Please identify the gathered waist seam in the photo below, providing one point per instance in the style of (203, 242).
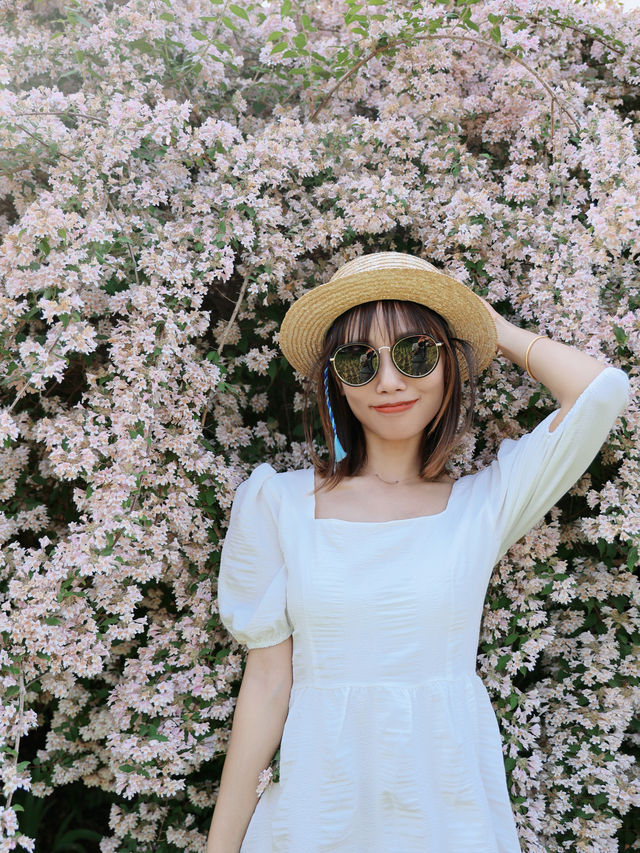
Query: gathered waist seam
(403, 684)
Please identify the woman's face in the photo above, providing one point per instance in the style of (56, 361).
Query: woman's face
(391, 386)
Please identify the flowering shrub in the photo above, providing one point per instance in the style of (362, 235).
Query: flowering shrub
(173, 175)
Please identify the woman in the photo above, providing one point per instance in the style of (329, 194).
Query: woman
(360, 581)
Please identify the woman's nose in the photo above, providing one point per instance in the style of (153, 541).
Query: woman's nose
(389, 377)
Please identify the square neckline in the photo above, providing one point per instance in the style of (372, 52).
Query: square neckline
(312, 503)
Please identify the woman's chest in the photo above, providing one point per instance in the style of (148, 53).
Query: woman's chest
(366, 501)
(349, 579)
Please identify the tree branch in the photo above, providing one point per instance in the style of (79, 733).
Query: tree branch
(497, 47)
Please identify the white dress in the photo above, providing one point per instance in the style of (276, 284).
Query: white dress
(391, 744)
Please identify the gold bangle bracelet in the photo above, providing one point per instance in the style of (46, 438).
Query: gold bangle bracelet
(526, 358)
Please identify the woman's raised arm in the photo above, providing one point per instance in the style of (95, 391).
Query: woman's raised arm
(564, 370)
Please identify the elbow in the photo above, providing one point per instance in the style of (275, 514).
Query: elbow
(617, 388)
(272, 666)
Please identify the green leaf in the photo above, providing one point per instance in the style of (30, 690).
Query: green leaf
(226, 20)
(239, 11)
(300, 40)
(198, 35)
(620, 334)
(143, 46)
(321, 72)
(285, 8)
(221, 45)
(276, 34)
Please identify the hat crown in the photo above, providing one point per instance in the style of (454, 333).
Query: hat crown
(381, 261)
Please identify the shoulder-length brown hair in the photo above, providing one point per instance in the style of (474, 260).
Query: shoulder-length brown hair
(439, 437)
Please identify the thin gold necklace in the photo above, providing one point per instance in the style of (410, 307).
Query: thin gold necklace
(396, 482)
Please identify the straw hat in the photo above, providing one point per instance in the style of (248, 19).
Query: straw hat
(386, 275)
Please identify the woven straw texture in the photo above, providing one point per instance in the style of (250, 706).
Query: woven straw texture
(386, 275)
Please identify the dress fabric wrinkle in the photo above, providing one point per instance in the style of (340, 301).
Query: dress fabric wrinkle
(391, 744)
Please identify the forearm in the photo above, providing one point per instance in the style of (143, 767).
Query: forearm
(564, 370)
(258, 722)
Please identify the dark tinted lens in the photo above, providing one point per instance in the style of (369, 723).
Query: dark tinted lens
(415, 355)
(355, 363)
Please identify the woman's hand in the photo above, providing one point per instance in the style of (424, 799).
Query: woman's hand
(499, 321)
(497, 317)
(565, 370)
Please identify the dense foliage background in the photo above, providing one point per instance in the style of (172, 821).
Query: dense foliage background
(172, 174)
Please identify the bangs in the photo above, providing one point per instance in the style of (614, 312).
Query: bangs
(396, 317)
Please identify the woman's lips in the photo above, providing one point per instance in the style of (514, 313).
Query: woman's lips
(398, 407)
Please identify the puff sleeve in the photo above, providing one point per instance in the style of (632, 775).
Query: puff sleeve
(252, 581)
(531, 473)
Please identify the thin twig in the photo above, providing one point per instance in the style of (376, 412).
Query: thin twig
(224, 336)
(119, 221)
(561, 180)
(62, 113)
(220, 15)
(589, 35)
(497, 47)
(18, 726)
(23, 390)
(40, 139)
(233, 315)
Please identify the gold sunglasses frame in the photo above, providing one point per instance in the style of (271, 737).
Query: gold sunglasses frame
(438, 344)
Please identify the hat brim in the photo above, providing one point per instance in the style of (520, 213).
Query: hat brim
(307, 321)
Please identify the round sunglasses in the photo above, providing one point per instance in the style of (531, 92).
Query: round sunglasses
(413, 355)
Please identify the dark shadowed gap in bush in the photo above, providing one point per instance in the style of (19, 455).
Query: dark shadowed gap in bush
(72, 819)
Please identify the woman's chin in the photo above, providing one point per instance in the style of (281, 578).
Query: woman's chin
(397, 434)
